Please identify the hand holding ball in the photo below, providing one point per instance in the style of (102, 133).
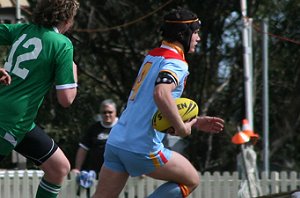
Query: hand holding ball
(187, 108)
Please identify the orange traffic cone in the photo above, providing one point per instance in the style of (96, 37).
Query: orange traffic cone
(247, 130)
(240, 138)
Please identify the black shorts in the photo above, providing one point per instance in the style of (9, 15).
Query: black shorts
(36, 146)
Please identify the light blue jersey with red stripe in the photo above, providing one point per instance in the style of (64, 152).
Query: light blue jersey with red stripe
(134, 131)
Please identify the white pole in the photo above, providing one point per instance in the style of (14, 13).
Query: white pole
(247, 65)
(18, 11)
(244, 8)
(251, 83)
(265, 96)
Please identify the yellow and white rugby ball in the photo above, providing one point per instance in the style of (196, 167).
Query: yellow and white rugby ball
(187, 108)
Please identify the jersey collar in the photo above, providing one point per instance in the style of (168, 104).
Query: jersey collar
(173, 47)
(55, 29)
(110, 125)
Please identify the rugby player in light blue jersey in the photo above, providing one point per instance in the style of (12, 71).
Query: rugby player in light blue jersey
(40, 56)
(133, 147)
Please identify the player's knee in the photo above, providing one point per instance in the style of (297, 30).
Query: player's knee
(65, 169)
(194, 182)
(197, 182)
(61, 170)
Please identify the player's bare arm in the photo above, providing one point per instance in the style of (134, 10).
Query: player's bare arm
(66, 97)
(75, 72)
(166, 104)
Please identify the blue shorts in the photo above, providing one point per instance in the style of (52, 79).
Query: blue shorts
(135, 164)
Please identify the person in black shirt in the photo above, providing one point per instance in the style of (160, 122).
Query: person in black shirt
(91, 146)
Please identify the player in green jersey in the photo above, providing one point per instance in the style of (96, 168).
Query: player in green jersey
(40, 57)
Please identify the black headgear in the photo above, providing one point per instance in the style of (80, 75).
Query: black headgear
(179, 25)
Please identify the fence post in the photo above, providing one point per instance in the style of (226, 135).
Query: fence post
(294, 181)
(141, 188)
(207, 185)
(275, 182)
(6, 185)
(26, 189)
(35, 182)
(226, 183)
(284, 181)
(264, 183)
(16, 185)
(216, 185)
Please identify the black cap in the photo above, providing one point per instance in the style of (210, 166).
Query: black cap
(179, 25)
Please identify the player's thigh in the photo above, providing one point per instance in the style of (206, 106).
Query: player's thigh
(37, 146)
(178, 169)
(44, 152)
(110, 183)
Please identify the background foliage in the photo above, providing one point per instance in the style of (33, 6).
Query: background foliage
(111, 38)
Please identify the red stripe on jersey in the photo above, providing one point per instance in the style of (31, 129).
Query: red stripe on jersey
(166, 53)
(162, 156)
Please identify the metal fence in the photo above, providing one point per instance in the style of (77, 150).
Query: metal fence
(23, 184)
